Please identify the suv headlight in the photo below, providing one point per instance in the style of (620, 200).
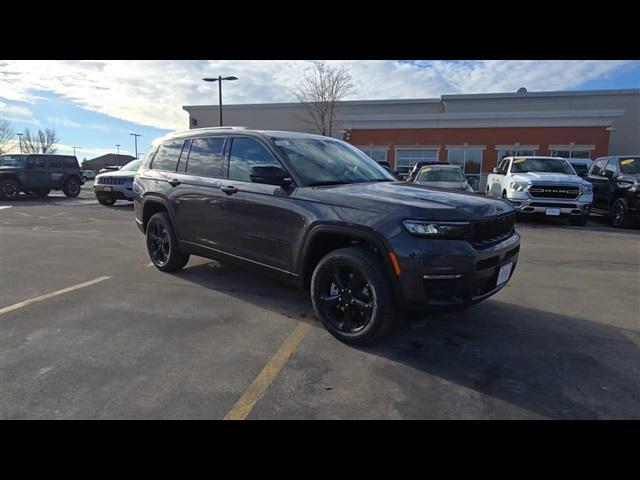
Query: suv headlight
(436, 229)
(518, 186)
(587, 188)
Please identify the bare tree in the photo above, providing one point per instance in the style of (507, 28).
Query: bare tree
(41, 142)
(6, 134)
(320, 91)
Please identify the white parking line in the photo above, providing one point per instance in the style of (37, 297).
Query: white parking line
(24, 303)
(5, 206)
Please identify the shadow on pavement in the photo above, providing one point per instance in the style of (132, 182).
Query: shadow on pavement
(554, 365)
(597, 223)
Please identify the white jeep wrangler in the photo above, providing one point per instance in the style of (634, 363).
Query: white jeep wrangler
(546, 185)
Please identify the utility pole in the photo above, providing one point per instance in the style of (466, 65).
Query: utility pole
(74, 150)
(20, 140)
(118, 147)
(135, 136)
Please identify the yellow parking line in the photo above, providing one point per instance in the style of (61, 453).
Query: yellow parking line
(256, 390)
(24, 303)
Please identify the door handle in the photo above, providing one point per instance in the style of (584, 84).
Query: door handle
(229, 189)
(174, 182)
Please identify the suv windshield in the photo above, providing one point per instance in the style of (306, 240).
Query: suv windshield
(131, 166)
(439, 174)
(630, 165)
(543, 165)
(327, 162)
(11, 160)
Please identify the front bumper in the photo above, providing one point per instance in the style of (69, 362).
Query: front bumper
(580, 206)
(451, 272)
(118, 192)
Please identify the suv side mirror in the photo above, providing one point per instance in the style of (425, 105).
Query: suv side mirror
(270, 175)
(607, 173)
(499, 171)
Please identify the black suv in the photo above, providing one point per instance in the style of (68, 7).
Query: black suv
(39, 174)
(616, 188)
(320, 213)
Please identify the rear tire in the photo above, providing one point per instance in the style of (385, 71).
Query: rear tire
(578, 221)
(162, 244)
(107, 202)
(352, 297)
(9, 189)
(72, 187)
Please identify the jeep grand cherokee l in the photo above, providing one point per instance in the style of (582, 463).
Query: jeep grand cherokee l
(320, 213)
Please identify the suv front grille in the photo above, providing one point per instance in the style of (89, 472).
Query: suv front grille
(492, 230)
(554, 191)
(112, 180)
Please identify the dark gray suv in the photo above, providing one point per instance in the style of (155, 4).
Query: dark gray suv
(39, 174)
(320, 213)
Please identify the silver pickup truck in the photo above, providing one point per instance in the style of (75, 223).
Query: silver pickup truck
(542, 185)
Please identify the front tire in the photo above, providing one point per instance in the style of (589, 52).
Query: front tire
(619, 216)
(578, 220)
(351, 295)
(9, 189)
(162, 244)
(72, 187)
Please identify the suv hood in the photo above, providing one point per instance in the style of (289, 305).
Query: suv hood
(547, 177)
(118, 173)
(406, 199)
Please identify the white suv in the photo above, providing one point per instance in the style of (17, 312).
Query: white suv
(547, 185)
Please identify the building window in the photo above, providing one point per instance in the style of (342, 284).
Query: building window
(379, 154)
(407, 158)
(470, 160)
(515, 152)
(571, 153)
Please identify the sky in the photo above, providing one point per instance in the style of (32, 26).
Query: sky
(95, 105)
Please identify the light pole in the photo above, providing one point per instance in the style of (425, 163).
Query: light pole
(219, 80)
(74, 150)
(118, 147)
(135, 136)
(20, 140)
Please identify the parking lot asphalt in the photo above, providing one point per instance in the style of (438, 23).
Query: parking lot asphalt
(561, 341)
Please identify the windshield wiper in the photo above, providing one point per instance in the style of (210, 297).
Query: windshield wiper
(333, 182)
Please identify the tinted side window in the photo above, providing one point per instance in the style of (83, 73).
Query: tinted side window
(205, 157)
(70, 163)
(504, 165)
(168, 156)
(55, 162)
(597, 166)
(37, 162)
(246, 154)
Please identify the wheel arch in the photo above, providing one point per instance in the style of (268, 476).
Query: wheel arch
(324, 238)
(152, 204)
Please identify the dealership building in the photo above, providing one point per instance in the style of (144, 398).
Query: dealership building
(474, 131)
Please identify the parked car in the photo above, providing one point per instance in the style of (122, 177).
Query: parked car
(580, 165)
(616, 188)
(109, 168)
(88, 175)
(321, 214)
(546, 185)
(39, 174)
(416, 168)
(443, 176)
(116, 185)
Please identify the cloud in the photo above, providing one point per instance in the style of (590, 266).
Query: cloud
(153, 92)
(16, 113)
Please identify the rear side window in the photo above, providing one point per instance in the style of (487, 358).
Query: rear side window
(168, 156)
(70, 163)
(205, 157)
(55, 162)
(246, 154)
